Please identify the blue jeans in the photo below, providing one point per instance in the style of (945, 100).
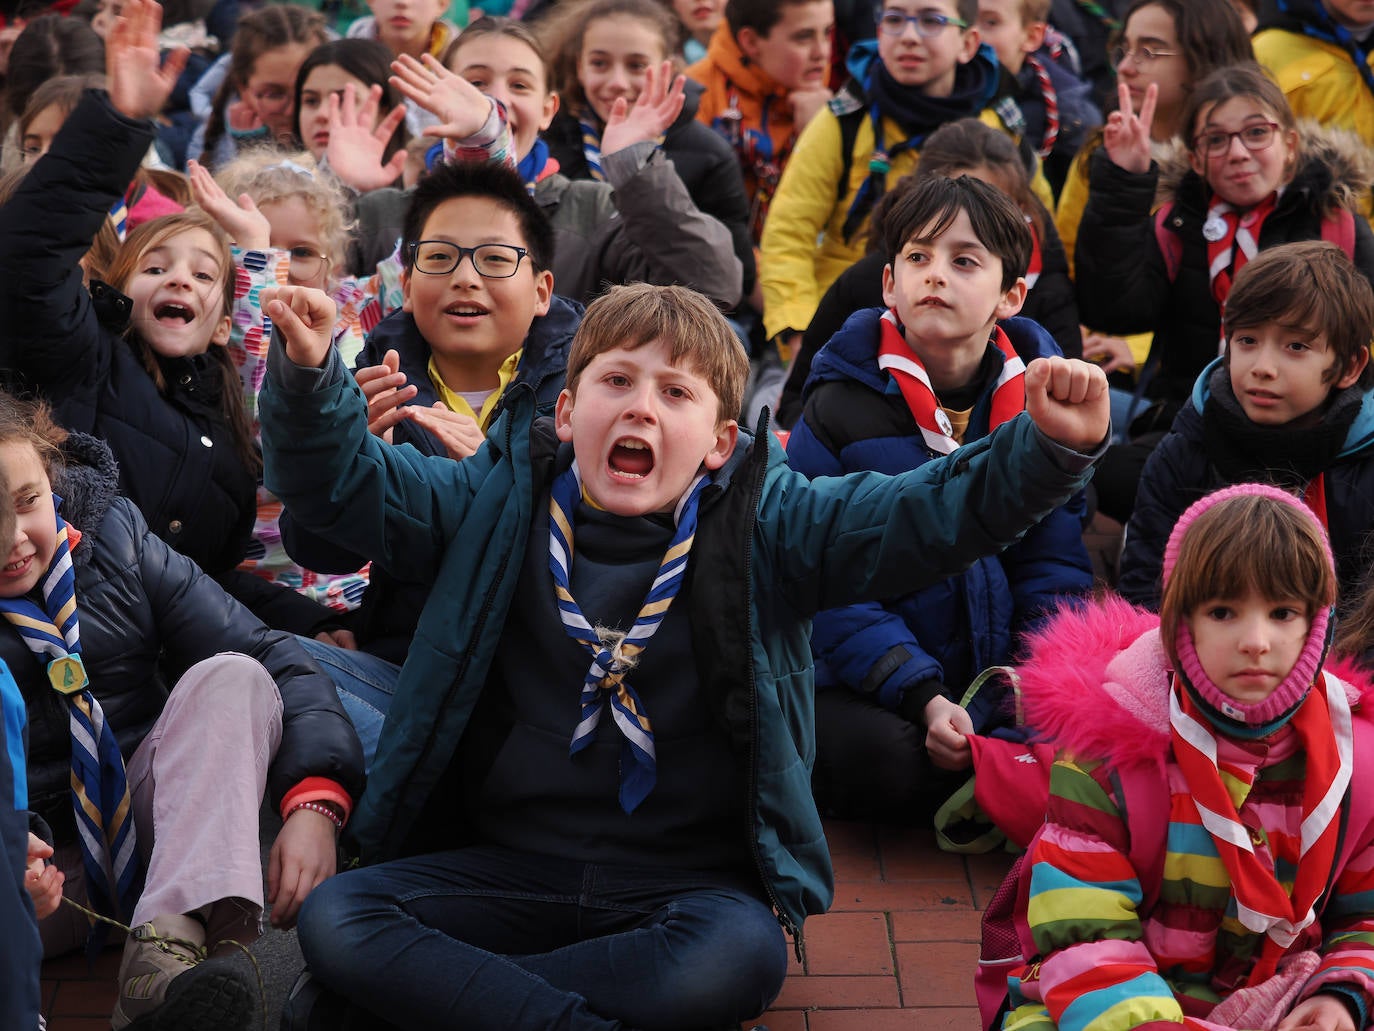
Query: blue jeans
(487, 937)
(366, 685)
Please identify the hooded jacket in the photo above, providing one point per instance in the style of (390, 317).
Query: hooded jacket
(703, 161)
(1184, 468)
(147, 615)
(770, 549)
(390, 609)
(1097, 685)
(855, 419)
(1123, 283)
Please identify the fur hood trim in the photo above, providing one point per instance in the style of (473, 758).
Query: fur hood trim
(87, 483)
(1344, 154)
(1096, 683)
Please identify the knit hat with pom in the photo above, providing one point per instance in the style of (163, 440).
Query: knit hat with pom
(1248, 719)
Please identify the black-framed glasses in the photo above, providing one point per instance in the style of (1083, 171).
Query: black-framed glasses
(928, 23)
(307, 264)
(491, 260)
(1256, 136)
(1142, 56)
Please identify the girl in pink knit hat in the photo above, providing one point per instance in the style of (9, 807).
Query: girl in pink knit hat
(1208, 851)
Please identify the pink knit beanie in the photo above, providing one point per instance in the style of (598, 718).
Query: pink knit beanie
(1285, 698)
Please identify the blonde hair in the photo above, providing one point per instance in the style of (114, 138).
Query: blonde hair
(269, 177)
(697, 335)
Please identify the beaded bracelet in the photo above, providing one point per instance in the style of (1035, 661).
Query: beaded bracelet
(323, 810)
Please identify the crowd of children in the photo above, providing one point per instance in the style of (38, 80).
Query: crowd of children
(548, 455)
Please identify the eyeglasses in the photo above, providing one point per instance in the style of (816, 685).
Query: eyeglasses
(1142, 56)
(928, 23)
(306, 265)
(272, 99)
(1253, 137)
(491, 260)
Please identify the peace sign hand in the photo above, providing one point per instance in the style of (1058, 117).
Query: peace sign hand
(1127, 134)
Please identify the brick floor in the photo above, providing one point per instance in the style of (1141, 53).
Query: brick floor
(869, 964)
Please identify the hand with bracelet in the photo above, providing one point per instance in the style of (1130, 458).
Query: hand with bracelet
(305, 854)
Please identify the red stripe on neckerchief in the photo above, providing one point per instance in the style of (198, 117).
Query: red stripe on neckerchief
(1237, 241)
(1036, 261)
(899, 360)
(1323, 724)
(1315, 498)
(1051, 99)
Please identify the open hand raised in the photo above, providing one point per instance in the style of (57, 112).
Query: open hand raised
(243, 222)
(462, 109)
(1127, 134)
(654, 110)
(357, 141)
(139, 81)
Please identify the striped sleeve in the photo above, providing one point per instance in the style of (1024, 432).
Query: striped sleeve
(1096, 975)
(1348, 935)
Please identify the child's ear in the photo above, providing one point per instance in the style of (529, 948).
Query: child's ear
(551, 103)
(889, 286)
(727, 435)
(562, 415)
(405, 291)
(1012, 300)
(543, 291)
(1353, 370)
(748, 40)
(1035, 36)
(220, 337)
(968, 46)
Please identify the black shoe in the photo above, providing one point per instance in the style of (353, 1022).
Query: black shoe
(214, 995)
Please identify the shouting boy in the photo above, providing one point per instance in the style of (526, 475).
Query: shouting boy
(591, 801)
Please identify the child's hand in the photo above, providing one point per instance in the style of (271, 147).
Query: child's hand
(246, 225)
(305, 318)
(1108, 353)
(356, 147)
(460, 434)
(302, 857)
(386, 391)
(139, 81)
(43, 883)
(807, 103)
(1319, 1013)
(947, 728)
(1068, 400)
(656, 108)
(461, 108)
(1126, 134)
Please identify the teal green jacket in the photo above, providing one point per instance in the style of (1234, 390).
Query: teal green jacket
(772, 548)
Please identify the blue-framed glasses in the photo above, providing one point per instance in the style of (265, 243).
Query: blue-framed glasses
(928, 23)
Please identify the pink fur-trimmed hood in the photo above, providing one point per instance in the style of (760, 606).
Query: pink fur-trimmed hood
(1096, 683)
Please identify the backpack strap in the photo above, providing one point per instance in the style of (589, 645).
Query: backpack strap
(849, 133)
(1339, 228)
(1170, 246)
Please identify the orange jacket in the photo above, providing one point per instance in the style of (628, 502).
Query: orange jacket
(733, 84)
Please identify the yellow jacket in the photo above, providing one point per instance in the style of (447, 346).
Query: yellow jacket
(1319, 79)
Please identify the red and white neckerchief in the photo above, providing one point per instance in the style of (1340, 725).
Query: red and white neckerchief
(895, 356)
(1232, 240)
(1036, 261)
(1323, 725)
(1051, 99)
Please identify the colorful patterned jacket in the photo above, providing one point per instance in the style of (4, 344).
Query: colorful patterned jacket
(1118, 949)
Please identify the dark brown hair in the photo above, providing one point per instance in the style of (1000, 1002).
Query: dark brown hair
(698, 337)
(562, 33)
(499, 25)
(1242, 544)
(1311, 284)
(1246, 79)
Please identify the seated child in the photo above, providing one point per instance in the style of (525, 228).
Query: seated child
(474, 326)
(1205, 860)
(26, 882)
(153, 785)
(926, 68)
(696, 815)
(765, 76)
(1319, 51)
(414, 28)
(891, 391)
(1056, 106)
(698, 20)
(1286, 404)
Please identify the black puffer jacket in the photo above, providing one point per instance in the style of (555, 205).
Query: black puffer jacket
(147, 614)
(703, 160)
(178, 461)
(1123, 285)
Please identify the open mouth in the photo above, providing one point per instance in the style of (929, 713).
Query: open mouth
(170, 311)
(932, 302)
(632, 458)
(18, 568)
(466, 310)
